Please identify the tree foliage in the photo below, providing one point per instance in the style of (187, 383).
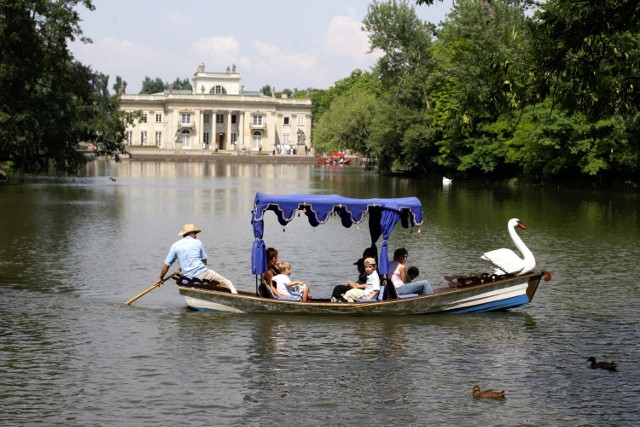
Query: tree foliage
(507, 89)
(48, 100)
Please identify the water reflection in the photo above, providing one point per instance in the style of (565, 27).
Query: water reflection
(73, 250)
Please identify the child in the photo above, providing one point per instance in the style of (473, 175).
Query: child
(367, 290)
(412, 273)
(287, 288)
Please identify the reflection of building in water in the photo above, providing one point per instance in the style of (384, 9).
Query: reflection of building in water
(218, 114)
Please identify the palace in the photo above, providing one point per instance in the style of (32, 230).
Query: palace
(219, 115)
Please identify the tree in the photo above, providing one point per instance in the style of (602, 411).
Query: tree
(178, 84)
(589, 54)
(266, 90)
(482, 76)
(47, 99)
(152, 86)
(347, 123)
(403, 70)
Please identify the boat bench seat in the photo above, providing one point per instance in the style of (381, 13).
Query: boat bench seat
(194, 282)
(380, 296)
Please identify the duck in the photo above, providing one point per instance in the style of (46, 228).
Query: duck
(506, 261)
(488, 394)
(608, 366)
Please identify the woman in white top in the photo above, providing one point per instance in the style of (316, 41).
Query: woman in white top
(398, 270)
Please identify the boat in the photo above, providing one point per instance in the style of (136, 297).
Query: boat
(334, 159)
(485, 292)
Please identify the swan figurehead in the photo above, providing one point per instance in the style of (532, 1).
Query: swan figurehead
(505, 260)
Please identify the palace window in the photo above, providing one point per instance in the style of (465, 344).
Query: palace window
(257, 120)
(143, 137)
(129, 137)
(234, 119)
(257, 139)
(300, 120)
(185, 118)
(144, 117)
(286, 121)
(219, 118)
(207, 117)
(218, 90)
(185, 138)
(158, 117)
(206, 138)
(158, 139)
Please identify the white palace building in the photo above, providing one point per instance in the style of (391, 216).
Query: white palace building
(218, 115)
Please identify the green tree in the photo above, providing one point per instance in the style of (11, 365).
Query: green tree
(150, 86)
(47, 98)
(266, 90)
(179, 84)
(347, 123)
(587, 56)
(403, 136)
(482, 76)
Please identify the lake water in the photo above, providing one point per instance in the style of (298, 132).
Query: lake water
(72, 251)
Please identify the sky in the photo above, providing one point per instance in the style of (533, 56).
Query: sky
(286, 44)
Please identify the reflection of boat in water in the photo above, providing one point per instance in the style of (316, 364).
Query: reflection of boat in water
(464, 294)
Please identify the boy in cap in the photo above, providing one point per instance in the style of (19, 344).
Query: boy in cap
(190, 253)
(368, 290)
(340, 290)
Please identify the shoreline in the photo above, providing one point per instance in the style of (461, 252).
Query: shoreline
(224, 157)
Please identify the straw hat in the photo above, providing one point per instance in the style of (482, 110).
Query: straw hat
(189, 228)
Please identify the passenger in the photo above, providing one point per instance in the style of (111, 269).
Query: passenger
(399, 277)
(369, 289)
(371, 252)
(287, 288)
(339, 290)
(412, 273)
(272, 269)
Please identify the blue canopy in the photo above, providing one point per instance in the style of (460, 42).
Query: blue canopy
(383, 216)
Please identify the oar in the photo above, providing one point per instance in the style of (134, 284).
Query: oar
(152, 287)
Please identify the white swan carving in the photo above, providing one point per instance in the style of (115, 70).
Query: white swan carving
(505, 260)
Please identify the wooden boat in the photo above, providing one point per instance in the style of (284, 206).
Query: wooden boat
(333, 160)
(463, 294)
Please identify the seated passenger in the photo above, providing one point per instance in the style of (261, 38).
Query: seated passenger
(368, 290)
(399, 278)
(340, 290)
(272, 270)
(412, 273)
(287, 288)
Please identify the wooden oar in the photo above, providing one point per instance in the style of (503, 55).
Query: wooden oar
(152, 287)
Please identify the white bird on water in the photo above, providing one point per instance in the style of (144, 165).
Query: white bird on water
(505, 260)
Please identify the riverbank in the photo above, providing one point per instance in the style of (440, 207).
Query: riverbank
(223, 156)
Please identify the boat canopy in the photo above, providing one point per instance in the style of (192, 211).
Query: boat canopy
(383, 216)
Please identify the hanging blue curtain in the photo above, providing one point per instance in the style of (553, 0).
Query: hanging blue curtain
(388, 222)
(258, 253)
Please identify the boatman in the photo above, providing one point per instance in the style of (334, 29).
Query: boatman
(190, 253)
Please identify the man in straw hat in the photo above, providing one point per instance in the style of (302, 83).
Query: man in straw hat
(190, 253)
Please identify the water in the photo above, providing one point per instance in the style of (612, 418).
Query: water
(72, 251)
